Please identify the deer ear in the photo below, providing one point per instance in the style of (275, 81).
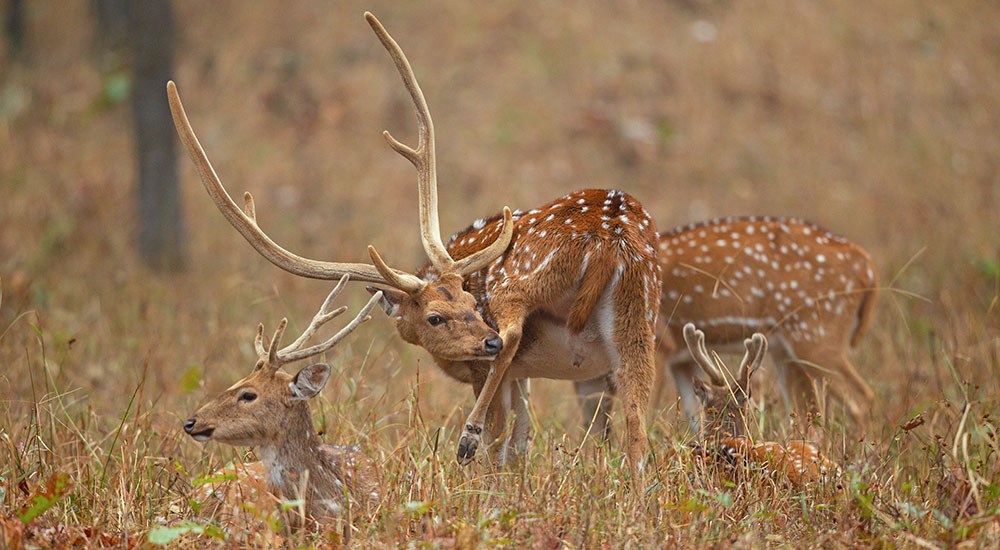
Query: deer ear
(701, 389)
(391, 299)
(309, 381)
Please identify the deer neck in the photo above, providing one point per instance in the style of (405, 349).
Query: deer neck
(296, 468)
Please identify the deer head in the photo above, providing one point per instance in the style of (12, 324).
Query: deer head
(438, 315)
(724, 403)
(264, 407)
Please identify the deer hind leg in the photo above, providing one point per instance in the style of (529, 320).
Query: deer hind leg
(798, 387)
(511, 396)
(496, 438)
(522, 422)
(595, 396)
(848, 387)
(631, 333)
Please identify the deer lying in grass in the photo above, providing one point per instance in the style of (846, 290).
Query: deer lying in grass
(569, 290)
(811, 292)
(725, 408)
(269, 411)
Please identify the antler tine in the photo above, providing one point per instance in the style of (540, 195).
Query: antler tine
(258, 341)
(424, 160)
(756, 347)
(695, 340)
(361, 317)
(478, 260)
(245, 220)
(322, 316)
(403, 281)
(272, 350)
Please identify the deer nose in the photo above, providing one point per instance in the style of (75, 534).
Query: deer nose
(493, 345)
(189, 425)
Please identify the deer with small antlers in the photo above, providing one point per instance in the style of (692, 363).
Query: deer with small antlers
(725, 409)
(812, 293)
(269, 411)
(569, 290)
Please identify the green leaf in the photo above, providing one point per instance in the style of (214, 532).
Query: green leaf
(989, 268)
(45, 499)
(419, 507)
(191, 379)
(164, 535)
(116, 88)
(215, 478)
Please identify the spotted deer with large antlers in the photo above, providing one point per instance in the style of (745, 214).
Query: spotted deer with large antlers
(811, 292)
(725, 409)
(569, 290)
(269, 411)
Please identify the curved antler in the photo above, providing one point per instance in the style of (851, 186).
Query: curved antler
(424, 160)
(245, 220)
(696, 346)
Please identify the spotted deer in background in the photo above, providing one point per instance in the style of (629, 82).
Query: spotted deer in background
(810, 291)
(269, 411)
(725, 408)
(569, 290)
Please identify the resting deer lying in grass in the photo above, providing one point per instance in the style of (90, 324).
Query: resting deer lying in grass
(569, 290)
(725, 409)
(811, 292)
(269, 411)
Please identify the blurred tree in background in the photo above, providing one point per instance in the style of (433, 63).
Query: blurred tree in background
(147, 29)
(151, 37)
(14, 25)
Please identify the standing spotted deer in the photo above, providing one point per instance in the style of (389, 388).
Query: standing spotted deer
(569, 290)
(269, 411)
(725, 411)
(811, 292)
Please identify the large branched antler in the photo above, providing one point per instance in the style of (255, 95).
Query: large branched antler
(424, 160)
(245, 219)
(273, 357)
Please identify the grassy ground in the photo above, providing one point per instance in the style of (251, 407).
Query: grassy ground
(879, 122)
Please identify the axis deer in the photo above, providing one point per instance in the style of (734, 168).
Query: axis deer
(269, 411)
(811, 292)
(725, 408)
(569, 290)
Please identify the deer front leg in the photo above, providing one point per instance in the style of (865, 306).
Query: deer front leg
(472, 434)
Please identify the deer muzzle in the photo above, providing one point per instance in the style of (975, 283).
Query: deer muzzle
(200, 434)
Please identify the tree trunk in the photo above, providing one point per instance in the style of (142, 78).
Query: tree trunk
(14, 25)
(161, 234)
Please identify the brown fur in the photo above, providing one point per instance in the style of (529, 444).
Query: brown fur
(564, 259)
(798, 462)
(810, 291)
(335, 481)
(726, 411)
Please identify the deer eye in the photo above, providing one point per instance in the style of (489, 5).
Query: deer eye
(435, 320)
(247, 396)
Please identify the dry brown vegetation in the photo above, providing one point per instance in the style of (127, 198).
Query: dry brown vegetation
(879, 121)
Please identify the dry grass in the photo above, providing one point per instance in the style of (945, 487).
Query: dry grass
(879, 122)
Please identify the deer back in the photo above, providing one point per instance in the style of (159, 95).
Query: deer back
(734, 276)
(588, 236)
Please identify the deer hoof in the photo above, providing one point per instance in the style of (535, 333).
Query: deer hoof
(467, 447)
